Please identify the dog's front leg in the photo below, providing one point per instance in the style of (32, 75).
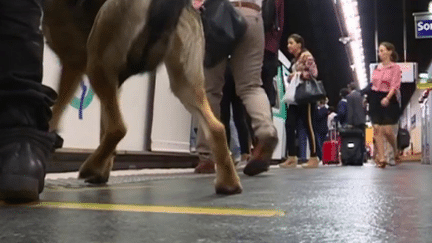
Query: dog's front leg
(97, 167)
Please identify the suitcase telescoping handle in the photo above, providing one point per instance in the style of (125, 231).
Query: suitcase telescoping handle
(333, 134)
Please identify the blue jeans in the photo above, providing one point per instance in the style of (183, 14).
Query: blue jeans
(321, 138)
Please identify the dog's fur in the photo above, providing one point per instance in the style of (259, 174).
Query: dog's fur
(110, 40)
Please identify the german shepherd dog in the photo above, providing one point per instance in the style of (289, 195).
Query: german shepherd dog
(111, 40)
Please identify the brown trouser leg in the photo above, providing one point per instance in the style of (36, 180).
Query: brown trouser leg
(246, 63)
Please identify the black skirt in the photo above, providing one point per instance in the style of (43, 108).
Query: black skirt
(381, 115)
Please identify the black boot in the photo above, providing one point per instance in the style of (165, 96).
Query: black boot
(23, 154)
(25, 147)
(25, 144)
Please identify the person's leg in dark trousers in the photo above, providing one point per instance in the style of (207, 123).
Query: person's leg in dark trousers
(317, 145)
(225, 106)
(25, 143)
(239, 117)
(307, 114)
(269, 71)
(229, 98)
(320, 139)
(302, 140)
(291, 127)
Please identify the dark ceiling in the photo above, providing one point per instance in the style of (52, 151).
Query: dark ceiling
(316, 21)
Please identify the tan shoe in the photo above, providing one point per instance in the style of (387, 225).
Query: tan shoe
(381, 164)
(291, 162)
(312, 163)
(245, 157)
(205, 167)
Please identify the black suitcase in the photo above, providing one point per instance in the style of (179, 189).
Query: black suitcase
(403, 139)
(352, 146)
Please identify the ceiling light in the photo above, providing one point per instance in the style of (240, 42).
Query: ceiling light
(352, 22)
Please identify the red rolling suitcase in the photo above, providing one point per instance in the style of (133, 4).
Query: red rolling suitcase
(330, 153)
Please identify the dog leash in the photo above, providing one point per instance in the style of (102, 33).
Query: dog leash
(80, 111)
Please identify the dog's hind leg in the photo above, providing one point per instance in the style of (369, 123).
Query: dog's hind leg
(66, 34)
(69, 80)
(184, 62)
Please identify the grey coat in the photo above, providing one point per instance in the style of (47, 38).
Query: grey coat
(356, 109)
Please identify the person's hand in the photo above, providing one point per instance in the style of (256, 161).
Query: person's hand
(305, 76)
(197, 4)
(385, 101)
(290, 76)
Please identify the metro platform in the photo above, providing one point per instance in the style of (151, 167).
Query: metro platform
(327, 204)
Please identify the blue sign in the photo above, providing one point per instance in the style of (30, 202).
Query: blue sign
(423, 25)
(424, 28)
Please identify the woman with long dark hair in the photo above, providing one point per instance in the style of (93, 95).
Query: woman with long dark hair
(304, 65)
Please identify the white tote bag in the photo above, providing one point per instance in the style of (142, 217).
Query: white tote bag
(290, 89)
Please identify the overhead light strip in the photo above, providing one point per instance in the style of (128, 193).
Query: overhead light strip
(352, 23)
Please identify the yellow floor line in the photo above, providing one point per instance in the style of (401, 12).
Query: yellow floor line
(161, 209)
(79, 189)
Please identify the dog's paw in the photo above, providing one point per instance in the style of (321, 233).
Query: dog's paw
(85, 174)
(93, 177)
(228, 186)
(228, 190)
(96, 180)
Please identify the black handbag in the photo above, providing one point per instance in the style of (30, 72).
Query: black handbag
(223, 29)
(309, 91)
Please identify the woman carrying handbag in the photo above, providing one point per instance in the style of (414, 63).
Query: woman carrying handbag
(305, 68)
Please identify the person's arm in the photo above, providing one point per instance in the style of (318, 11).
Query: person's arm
(281, 16)
(395, 83)
(310, 66)
(342, 112)
(339, 112)
(350, 108)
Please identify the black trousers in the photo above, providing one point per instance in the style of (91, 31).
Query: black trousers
(269, 71)
(305, 114)
(229, 98)
(24, 101)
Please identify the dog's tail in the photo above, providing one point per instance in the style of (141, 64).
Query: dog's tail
(149, 47)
